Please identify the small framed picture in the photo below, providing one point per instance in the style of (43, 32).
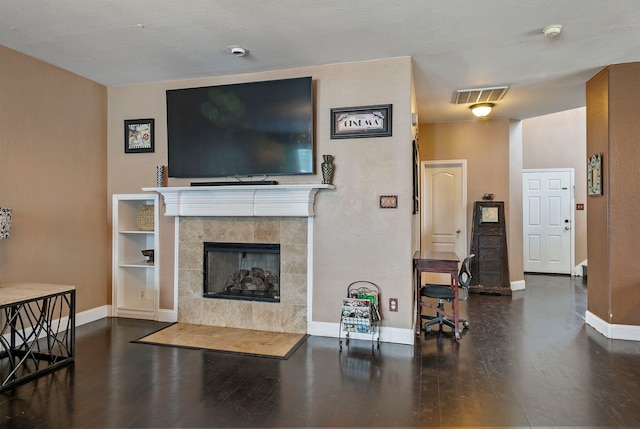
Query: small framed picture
(490, 214)
(138, 136)
(594, 175)
(388, 201)
(358, 122)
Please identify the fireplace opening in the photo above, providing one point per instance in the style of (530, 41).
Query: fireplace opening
(246, 271)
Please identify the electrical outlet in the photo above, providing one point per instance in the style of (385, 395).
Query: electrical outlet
(393, 304)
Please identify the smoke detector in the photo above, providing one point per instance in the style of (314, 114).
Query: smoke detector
(238, 51)
(552, 31)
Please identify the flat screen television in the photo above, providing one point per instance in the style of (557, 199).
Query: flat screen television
(249, 129)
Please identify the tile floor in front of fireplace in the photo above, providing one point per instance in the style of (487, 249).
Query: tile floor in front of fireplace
(234, 340)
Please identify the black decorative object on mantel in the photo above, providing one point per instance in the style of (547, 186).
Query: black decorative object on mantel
(327, 169)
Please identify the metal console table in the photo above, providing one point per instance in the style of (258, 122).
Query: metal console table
(38, 330)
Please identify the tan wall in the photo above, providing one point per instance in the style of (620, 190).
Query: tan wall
(354, 238)
(624, 187)
(559, 140)
(485, 146)
(599, 301)
(612, 116)
(53, 175)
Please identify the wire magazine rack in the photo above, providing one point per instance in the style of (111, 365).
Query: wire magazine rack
(360, 313)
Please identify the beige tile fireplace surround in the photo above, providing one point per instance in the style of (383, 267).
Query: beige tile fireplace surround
(274, 214)
(288, 315)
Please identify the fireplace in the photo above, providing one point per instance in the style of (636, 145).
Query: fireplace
(250, 214)
(242, 271)
(288, 315)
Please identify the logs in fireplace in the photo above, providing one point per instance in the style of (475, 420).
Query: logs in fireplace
(256, 281)
(249, 271)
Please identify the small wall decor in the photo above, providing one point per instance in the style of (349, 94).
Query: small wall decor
(359, 122)
(5, 222)
(594, 175)
(138, 135)
(388, 201)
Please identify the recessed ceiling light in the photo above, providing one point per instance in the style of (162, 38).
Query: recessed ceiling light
(238, 51)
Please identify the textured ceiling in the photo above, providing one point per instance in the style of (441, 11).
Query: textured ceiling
(454, 44)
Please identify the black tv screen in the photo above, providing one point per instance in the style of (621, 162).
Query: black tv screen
(247, 129)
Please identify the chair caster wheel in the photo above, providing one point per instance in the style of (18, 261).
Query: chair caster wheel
(465, 325)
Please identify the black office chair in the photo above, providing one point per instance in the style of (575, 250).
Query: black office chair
(446, 293)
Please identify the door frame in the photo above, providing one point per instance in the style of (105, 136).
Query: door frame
(572, 213)
(462, 163)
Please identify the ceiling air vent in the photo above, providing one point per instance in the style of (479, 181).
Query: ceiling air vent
(479, 95)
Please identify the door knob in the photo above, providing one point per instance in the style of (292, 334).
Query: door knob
(457, 231)
(567, 228)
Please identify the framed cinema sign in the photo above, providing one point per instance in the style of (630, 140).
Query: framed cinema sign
(360, 122)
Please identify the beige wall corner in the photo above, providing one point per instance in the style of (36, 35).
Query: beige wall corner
(53, 173)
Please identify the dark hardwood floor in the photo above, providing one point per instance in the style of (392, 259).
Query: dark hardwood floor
(527, 361)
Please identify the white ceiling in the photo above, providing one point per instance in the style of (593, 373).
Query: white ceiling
(455, 44)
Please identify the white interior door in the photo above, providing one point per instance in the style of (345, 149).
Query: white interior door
(444, 202)
(547, 220)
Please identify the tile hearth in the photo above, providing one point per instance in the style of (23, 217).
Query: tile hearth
(289, 315)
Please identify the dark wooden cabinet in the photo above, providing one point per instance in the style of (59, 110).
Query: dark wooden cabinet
(490, 267)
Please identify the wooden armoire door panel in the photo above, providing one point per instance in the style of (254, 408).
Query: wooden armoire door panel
(490, 267)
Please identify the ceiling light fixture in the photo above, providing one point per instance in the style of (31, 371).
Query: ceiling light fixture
(481, 110)
(552, 31)
(237, 51)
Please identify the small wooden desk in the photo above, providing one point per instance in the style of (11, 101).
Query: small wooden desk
(38, 330)
(436, 262)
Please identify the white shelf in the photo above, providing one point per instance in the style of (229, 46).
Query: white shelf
(135, 282)
(137, 265)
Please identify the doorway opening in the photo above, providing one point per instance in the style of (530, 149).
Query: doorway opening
(444, 206)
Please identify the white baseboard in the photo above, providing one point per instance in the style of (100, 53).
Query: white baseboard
(518, 285)
(82, 318)
(170, 316)
(387, 335)
(578, 271)
(613, 331)
(92, 315)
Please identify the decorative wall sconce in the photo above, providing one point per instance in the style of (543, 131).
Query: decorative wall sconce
(481, 110)
(5, 222)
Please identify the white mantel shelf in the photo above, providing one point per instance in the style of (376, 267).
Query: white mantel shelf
(294, 200)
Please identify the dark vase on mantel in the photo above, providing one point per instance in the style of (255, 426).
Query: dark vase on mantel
(327, 169)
